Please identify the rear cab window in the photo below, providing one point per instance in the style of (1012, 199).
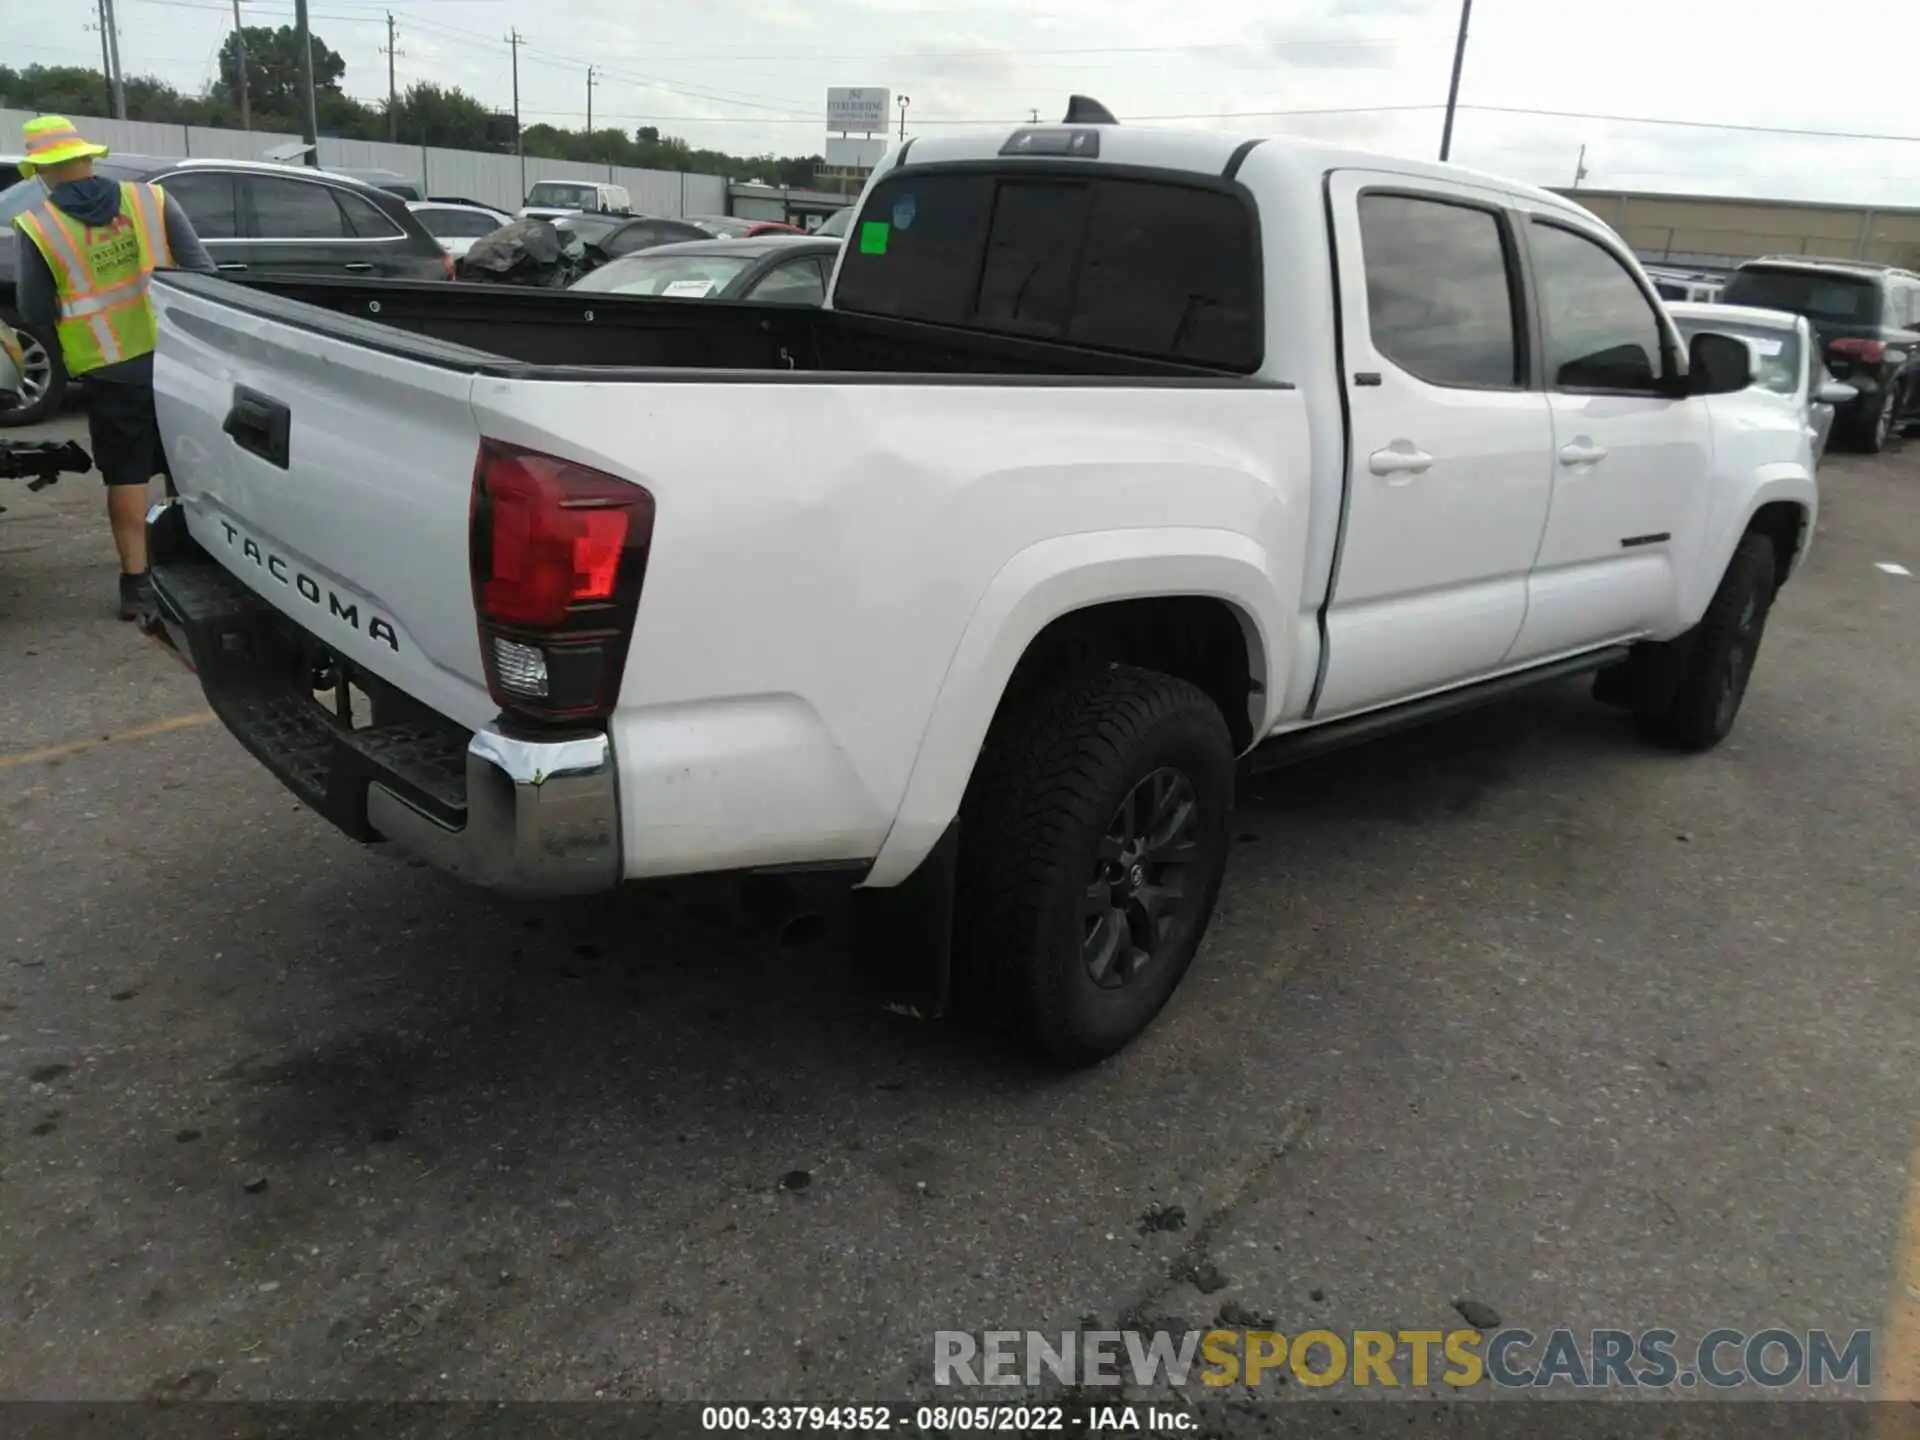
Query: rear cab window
(1830, 295)
(1162, 268)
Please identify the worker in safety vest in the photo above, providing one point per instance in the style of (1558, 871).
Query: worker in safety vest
(87, 253)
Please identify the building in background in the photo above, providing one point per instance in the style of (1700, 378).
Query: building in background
(1716, 233)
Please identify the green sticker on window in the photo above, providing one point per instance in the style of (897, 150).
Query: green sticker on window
(873, 237)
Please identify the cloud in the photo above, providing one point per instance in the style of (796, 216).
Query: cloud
(751, 78)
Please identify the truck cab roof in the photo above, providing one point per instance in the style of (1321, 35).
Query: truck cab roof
(1201, 152)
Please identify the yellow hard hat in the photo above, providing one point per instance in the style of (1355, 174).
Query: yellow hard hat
(52, 140)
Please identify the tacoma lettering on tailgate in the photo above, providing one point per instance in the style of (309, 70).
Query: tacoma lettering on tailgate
(311, 590)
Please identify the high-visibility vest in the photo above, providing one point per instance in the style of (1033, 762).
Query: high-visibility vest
(102, 273)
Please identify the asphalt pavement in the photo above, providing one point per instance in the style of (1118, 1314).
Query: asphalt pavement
(1512, 1011)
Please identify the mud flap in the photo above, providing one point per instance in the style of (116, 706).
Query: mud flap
(901, 941)
(1648, 678)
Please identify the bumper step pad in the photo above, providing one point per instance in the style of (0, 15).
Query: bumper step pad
(255, 666)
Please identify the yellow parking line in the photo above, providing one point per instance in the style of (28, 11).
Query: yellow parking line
(1897, 1355)
(80, 747)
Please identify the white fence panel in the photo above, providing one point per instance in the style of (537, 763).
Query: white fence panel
(499, 180)
(207, 144)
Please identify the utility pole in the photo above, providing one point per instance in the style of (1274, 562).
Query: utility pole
(240, 59)
(590, 84)
(106, 57)
(1580, 168)
(113, 50)
(513, 39)
(303, 37)
(393, 92)
(903, 102)
(1453, 89)
(1034, 113)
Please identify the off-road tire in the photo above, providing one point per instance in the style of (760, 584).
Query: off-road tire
(1875, 429)
(1719, 655)
(1051, 780)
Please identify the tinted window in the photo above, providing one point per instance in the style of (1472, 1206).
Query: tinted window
(1667, 290)
(798, 282)
(1602, 334)
(1439, 298)
(1836, 297)
(208, 201)
(294, 210)
(1172, 271)
(364, 219)
(1143, 267)
(1033, 249)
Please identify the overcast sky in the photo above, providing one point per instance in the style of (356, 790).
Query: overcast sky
(751, 75)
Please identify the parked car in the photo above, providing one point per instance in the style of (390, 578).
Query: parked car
(1095, 476)
(1685, 285)
(550, 199)
(1867, 318)
(739, 227)
(773, 269)
(456, 227)
(1787, 362)
(607, 237)
(258, 220)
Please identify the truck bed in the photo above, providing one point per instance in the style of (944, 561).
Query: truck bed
(558, 329)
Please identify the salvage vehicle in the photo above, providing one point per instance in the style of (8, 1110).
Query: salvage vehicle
(1787, 363)
(773, 269)
(1867, 318)
(457, 226)
(550, 199)
(1117, 457)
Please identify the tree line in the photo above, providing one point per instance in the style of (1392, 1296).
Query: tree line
(424, 114)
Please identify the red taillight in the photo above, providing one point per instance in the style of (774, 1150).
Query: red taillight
(558, 552)
(446, 264)
(1871, 351)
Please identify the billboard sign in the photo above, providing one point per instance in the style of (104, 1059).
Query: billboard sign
(848, 152)
(857, 110)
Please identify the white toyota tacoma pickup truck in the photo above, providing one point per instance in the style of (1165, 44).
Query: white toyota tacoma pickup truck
(1120, 458)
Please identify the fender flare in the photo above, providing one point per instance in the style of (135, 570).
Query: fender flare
(1787, 481)
(1037, 586)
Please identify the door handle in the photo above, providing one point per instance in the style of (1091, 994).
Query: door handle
(360, 267)
(231, 265)
(260, 425)
(1582, 452)
(1402, 457)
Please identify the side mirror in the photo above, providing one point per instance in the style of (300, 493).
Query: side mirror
(1836, 392)
(1718, 365)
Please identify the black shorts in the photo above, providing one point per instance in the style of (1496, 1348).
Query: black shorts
(124, 432)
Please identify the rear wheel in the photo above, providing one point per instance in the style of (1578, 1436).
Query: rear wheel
(44, 377)
(1719, 655)
(1093, 842)
(1874, 429)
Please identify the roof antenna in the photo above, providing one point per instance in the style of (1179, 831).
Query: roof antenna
(1084, 110)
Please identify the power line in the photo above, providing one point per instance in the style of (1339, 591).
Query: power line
(1698, 124)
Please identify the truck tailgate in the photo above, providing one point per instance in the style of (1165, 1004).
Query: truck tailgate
(333, 478)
